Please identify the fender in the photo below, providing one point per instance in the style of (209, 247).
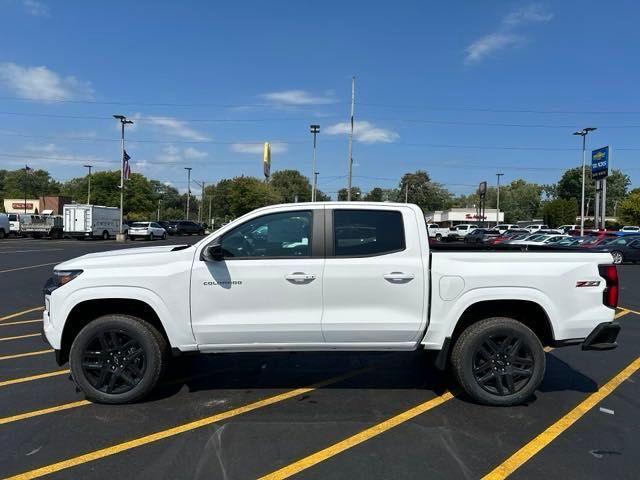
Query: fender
(445, 314)
(180, 335)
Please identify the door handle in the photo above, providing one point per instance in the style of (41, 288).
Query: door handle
(398, 277)
(300, 277)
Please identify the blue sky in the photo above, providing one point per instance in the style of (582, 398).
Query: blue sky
(460, 89)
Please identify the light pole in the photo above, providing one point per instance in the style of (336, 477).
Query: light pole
(315, 129)
(353, 101)
(498, 199)
(583, 133)
(123, 122)
(188, 169)
(89, 186)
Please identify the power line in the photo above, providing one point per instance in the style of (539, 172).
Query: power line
(74, 158)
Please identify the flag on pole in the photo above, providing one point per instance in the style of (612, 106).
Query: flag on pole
(126, 168)
(28, 170)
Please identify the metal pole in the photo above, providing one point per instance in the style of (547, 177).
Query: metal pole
(584, 161)
(406, 192)
(353, 100)
(596, 213)
(498, 199)
(188, 169)
(604, 203)
(315, 183)
(201, 209)
(121, 173)
(210, 219)
(26, 176)
(315, 129)
(89, 186)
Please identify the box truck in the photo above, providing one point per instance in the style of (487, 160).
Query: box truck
(91, 221)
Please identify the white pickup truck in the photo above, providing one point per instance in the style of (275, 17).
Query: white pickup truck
(437, 232)
(327, 276)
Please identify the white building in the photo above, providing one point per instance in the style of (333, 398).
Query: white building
(455, 216)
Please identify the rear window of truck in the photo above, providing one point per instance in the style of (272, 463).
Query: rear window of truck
(361, 233)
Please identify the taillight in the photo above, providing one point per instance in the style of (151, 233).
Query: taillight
(610, 294)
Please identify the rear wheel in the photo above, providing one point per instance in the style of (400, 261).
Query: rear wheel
(105, 235)
(498, 361)
(618, 258)
(117, 359)
(151, 236)
(438, 237)
(164, 236)
(2, 234)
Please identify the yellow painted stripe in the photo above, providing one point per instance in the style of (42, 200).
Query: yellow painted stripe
(356, 439)
(170, 432)
(44, 411)
(28, 354)
(5, 324)
(552, 432)
(30, 266)
(18, 314)
(33, 377)
(622, 313)
(18, 337)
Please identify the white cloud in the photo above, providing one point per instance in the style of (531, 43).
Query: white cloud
(173, 126)
(298, 98)
(193, 153)
(35, 8)
(506, 36)
(40, 83)
(258, 148)
(364, 131)
(173, 154)
(48, 148)
(489, 44)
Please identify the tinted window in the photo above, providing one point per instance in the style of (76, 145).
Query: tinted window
(275, 235)
(367, 232)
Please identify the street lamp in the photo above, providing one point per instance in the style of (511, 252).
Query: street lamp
(498, 199)
(583, 133)
(123, 121)
(89, 186)
(188, 169)
(315, 129)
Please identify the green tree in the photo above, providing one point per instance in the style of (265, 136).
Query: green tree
(629, 208)
(13, 183)
(570, 186)
(376, 194)
(419, 189)
(231, 198)
(560, 212)
(356, 194)
(291, 184)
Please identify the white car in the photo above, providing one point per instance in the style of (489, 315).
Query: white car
(566, 228)
(630, 228)
(436, 231)
(536, 228)
(504, 227)
(540, 239)
(148, 230)
(5, 228)
(462, 230)
(325, 277)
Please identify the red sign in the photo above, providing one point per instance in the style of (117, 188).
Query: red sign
(21, 206)
(468, 216)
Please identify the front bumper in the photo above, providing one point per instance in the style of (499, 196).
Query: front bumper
(603, 337)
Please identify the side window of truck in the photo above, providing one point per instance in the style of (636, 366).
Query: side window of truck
(361, 233)
(275, 235)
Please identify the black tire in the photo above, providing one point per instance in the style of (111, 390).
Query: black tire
(114, 382)
(618, 257)
(201, 233)
(2, 234)
(105, 235)
(164, 236)
(495, 370)
(438, 237)
(151, 236)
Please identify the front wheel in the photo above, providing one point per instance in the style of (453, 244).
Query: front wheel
(117, 359)
(105, 235)
(164, 236)
(498, 361)
(438, 237)
(151, 236)
(617, 257)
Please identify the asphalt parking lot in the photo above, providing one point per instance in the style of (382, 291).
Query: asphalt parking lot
(308, 415)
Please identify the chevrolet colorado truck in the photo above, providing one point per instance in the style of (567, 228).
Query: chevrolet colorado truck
(327, 276)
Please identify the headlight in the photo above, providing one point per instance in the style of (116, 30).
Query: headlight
(60, 278)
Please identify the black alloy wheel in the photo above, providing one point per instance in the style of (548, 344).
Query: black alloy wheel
(503, 365)
(113, 362)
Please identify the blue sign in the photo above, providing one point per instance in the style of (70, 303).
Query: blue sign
(600, 163)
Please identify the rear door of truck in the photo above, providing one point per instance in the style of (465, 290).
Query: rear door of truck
(375, 280)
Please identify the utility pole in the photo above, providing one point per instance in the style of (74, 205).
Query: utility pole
(353, 101)
(406, 192)
(315, 129)
(210, 219)
(89, 186)
(583, 133)
(123, 122)
(201, 209)
(158, 219)
(188, 169)
(498, 199)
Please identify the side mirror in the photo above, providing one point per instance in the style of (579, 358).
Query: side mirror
(213, 252)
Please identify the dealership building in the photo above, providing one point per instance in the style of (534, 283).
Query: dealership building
(456, 216)
(46, 205)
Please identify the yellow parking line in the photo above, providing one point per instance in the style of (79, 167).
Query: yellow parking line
(356, 439)
(28, 354)
(33, 377)
(18, 337)
(6, 324)
(623, 313)
(30, 266)
(170, 432)
(629, 310)
(44, 411)
(552, 432)
(19, 314)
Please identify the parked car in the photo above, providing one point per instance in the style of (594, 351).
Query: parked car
(14, 224)
(569, 241)
(503, 227)
(39, 226)
(568, 228)
(187, 227)
(630, 228)
(541, 239)
(460, 231)
(436, 231)
(480, 235)
(508, 235)
(148, 230)
(535, 228)
(5, 227)
(367, 282)
(623, 249)
(169, 226)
